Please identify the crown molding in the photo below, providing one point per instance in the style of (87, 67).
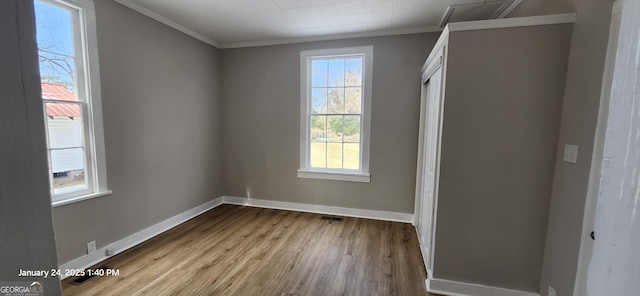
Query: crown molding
(158, 17)
(416, 30)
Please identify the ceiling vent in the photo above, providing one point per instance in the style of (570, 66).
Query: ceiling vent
(483, 10)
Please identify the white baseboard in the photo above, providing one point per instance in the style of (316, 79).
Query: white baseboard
(453, 288)
(130, 241)
(320, 209)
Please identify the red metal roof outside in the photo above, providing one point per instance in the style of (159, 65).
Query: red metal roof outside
(57, 91)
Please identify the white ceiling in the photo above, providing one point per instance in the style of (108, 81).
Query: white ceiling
(233, 23)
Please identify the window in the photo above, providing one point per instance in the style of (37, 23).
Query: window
(67, 52)
(335, 113)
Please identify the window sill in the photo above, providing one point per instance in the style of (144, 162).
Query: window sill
(335, 176)
(76, 199)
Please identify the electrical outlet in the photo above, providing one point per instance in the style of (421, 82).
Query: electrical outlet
(570, 153)
(552, 291)
(91, 247)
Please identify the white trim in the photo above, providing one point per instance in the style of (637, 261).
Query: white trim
(305, 169)
(336, 176)
(441, 43)
(96, 128)
(76, 199)
(455, 288)
(320, 209)
(79, 3)
(130, 241)
(593, 187)
(553, 19)
(430, 70)
(158, 17)
(88, 85)
(438, 58)
(425, 29)
(617, 7)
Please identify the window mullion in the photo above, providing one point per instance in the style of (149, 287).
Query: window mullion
(67, 148)
(342, 144)
(326, 141)
(56, 101)
(326, 123)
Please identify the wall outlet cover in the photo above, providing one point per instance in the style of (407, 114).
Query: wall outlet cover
(91, 247)
(570, 153)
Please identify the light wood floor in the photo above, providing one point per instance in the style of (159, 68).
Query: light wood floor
(234, 250)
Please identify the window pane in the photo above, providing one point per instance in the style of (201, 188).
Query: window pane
(59, 69)
(351, 129)
(352, 156)
(334, 155)
(318, 128)
(64, 125)
(57, 91)
(353, 100)
(336, 101)
(336, 72)
(318, 153)
(55, 37)
(318, 100)
(353, 72)
(319, 73)
(68, 168)
(334, 128)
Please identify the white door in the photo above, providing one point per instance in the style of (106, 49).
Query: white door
(430, 157)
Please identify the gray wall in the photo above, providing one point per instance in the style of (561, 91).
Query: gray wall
(502, 108)
(579, 118)
(25, 205)
(261, 113)
(160, 93)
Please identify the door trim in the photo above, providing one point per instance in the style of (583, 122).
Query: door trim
(588, 220)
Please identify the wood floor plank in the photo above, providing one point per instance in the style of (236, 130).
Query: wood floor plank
(235, 250)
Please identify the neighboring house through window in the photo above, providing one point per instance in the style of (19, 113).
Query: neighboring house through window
(335, 113)
(67, 52)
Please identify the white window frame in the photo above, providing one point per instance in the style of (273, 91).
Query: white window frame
(305, 170)
(88, 72)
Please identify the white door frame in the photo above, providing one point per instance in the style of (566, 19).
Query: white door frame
(615, 262)
(427, 245)
(588, 222)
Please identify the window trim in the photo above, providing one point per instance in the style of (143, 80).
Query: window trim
(92, 107)
(305, 170)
